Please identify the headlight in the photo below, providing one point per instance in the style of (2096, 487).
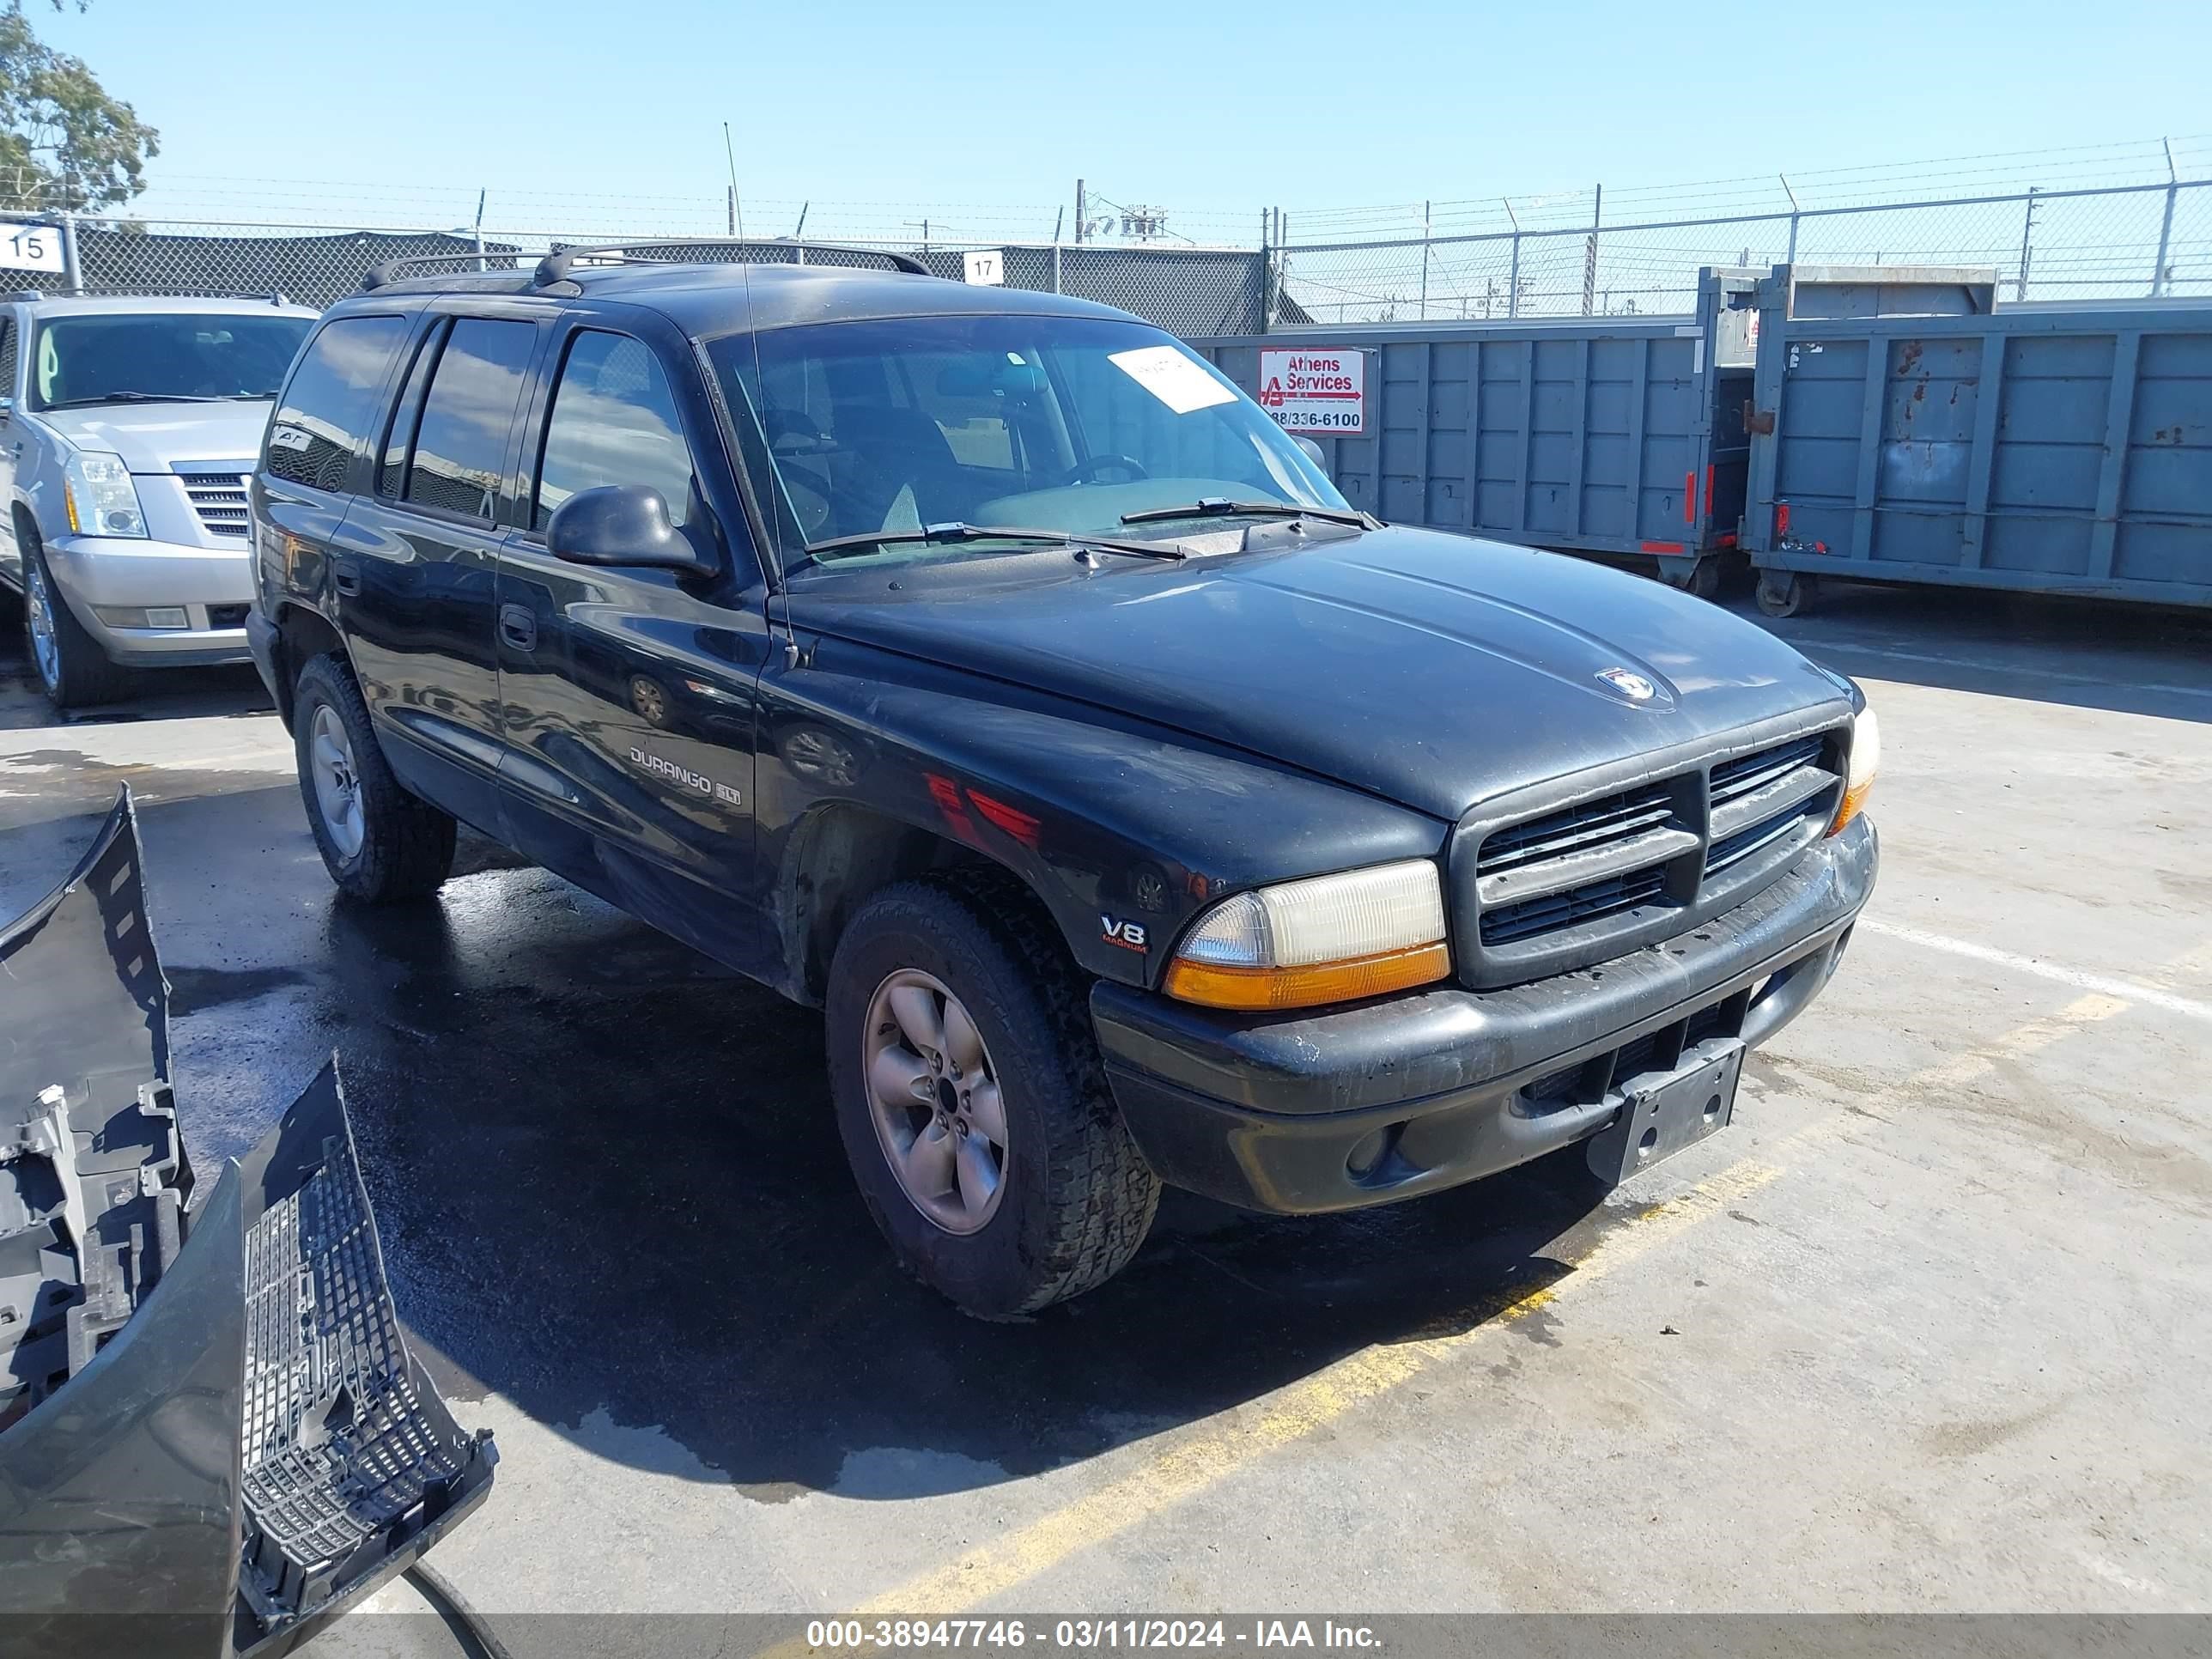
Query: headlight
(1866, 760)
(1330, 939)
(101, 501)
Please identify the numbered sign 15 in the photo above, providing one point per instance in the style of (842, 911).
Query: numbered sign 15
(30, 247)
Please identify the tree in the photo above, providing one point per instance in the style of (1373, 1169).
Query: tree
(65, 145)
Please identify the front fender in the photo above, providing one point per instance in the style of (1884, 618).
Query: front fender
(1125, 830)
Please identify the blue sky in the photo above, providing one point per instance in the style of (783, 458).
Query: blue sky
(1213, 111)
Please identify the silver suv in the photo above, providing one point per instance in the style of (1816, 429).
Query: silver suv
(127, 428)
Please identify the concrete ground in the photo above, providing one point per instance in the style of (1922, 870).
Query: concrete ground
(1926, 1330)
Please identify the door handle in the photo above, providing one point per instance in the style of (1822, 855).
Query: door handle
(518, 627)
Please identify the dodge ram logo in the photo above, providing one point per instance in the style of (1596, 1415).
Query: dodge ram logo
(1634, 687)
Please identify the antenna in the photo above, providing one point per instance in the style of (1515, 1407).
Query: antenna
(737, 207)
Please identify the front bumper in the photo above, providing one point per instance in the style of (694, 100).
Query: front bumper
(213, 585)
(1345, 1107)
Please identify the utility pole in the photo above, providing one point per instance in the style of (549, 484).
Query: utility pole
(480, 208)
(1791, 257)
(1081, 210)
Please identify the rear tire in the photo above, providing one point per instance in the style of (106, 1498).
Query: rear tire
(1074, 1198)
(380, 844)
(72, 669)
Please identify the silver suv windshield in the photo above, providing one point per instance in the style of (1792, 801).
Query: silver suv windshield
(107, 357)
(1054, 423)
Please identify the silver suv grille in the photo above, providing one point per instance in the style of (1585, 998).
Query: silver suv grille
(1570, 885)
(220, 500)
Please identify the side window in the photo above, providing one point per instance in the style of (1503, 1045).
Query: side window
(614, 421)
(331, 402)
(399, 437)
(460, 442)
(7, 356)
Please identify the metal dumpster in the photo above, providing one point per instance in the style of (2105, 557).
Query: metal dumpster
(2062, 449)
(1619, 435)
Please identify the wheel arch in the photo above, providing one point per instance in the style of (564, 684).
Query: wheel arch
(840, 855)
(302, 634)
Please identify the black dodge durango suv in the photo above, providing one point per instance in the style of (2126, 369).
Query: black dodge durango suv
(984, 668)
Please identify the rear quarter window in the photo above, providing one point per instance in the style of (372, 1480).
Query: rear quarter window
(330, 404)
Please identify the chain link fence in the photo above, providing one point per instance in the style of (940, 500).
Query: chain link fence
(1551, 257)
(1192, 291)
(2129, 242)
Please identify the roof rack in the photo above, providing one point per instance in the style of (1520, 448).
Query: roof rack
(555, 267)
(385, 273)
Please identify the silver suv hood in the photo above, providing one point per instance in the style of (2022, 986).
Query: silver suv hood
(152, 437)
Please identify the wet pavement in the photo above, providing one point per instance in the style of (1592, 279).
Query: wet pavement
(619, 1223)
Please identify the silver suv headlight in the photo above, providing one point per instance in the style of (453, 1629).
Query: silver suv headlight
(99, 497)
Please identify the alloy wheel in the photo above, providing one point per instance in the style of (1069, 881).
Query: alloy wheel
(933, 1095)
(38, 607)
(338, 782)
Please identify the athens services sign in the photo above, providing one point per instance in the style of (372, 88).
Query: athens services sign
(1315, 391)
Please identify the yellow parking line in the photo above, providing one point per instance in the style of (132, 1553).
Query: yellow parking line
(1196, 1462)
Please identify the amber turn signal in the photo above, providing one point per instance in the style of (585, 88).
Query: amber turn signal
(1260, 989)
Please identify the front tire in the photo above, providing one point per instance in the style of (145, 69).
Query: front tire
(380, 844)
(972, 1102)
(73, 671)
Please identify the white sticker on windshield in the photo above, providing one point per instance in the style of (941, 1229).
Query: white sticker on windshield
(1172, 378)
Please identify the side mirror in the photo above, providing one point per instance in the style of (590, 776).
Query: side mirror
(622, 524)
(1313, 454)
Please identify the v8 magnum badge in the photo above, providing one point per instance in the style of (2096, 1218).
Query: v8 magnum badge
(684, 778)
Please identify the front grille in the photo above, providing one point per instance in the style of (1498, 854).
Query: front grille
(220, 500)
(1562, 910)
(1758, 801)
(1614, 817)
(1593, 858)
(1570, 885)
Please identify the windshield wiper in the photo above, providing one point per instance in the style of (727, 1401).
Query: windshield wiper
(133, 398)
(1220, 506)
(985, 533)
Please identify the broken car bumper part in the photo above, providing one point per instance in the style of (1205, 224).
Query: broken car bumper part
(212, 1436)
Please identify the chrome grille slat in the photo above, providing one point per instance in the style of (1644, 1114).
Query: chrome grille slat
(1584, 864)
(219, 499)
(1788, 788)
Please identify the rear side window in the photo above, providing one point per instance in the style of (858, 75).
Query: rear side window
(391, 468)
(460, 441)
(331, 403)
(613, 422)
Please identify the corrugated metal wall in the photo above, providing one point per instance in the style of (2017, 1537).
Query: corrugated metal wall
(1615, 435)
(2065, 450)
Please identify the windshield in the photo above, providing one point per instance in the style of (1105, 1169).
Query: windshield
(1061, 423)
(112, 357)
